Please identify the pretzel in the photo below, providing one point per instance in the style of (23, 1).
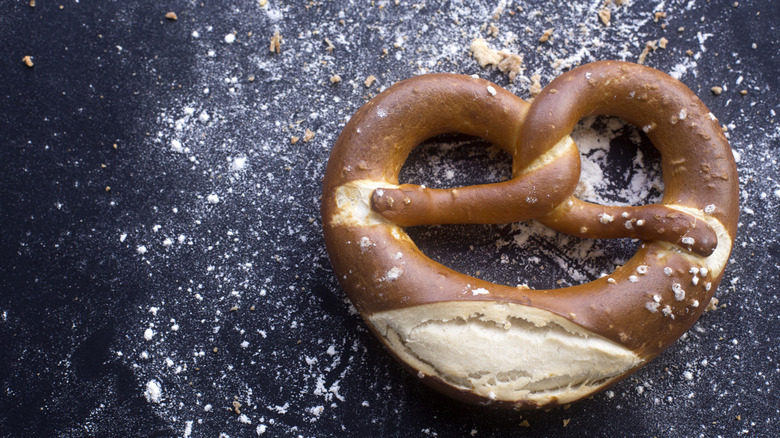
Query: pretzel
(513, 346)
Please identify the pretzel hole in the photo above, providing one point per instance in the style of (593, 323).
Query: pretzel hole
(455, 160)
(627, 172)
(620, 165)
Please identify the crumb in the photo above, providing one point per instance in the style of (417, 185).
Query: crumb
(660, 15)
(262, 3)
(27, 60)
(536, 86)
(251, 78)
(546, 35)
(369, 80)
(716, 90)
(506, 62)
(329, 45)
(743, 92)
(566, 421)
(525, 423)
(712, 305)
(32, 3)
(605, 16)
(493, 30)
(335, 79)
(663, 42)
(276, 42)
(294, 139)
(649, 46)
(308, 135)
(171, 16)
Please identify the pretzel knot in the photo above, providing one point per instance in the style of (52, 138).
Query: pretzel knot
(514, 346)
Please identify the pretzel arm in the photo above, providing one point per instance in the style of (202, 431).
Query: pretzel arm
(524, 197)
(647, 222)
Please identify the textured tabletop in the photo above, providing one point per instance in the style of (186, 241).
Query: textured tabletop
(162, 266)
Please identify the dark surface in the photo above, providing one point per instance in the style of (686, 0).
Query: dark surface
(86, 159)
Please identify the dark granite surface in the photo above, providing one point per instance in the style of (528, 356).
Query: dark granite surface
(161, 231)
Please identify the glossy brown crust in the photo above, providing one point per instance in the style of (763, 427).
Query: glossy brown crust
(520, 199)
(647, 222)
(699, 173)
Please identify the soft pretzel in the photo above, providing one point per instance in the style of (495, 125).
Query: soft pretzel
(514, 346)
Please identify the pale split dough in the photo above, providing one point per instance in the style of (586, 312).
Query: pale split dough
(503, 351)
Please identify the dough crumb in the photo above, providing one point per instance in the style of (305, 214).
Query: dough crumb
(536, 86)
(712, 305)
(506, 62)
(329, 45)
(546, 35)
(171, 16)
(276, 43)
(605, 16)
(650, 46)
(369, 81)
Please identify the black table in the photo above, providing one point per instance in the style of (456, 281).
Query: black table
(163, 271)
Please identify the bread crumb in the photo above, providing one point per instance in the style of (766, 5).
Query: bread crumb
(743, 92)
(566, 421)
(506, 62)
(649, 46)
(605, 16)
(663, 42)
(493, 30)
(660, 15)
(294, 139)
(525, 423)
(536, 86)
(276, 42)
(171, 16)
(712, 305)
(32, 3)
(716, 90)
(308, 135)
(335, 79)
(262, 3)
(369, 80)
(546, 35)
(27, 60)
(329, 45)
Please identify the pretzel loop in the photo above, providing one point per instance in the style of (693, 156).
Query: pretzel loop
(514, 346)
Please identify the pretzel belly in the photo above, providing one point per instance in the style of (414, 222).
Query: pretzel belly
(502, 352)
